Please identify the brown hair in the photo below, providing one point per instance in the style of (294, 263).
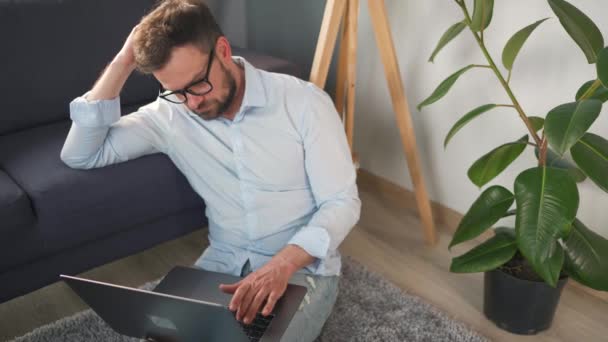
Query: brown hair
(173, 23)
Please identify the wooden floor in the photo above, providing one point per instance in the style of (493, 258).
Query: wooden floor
(388, 239)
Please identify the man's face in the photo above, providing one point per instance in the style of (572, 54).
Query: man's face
(188, 64)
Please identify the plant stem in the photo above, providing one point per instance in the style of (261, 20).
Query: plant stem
(483, 19)
(542, 152)
(591, 90)
(505, 105)
(516, 104)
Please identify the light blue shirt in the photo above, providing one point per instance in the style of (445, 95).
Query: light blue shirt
(279, 173)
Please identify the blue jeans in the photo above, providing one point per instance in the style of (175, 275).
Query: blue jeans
(318, 303)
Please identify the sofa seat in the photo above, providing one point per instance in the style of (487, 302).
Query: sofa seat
(77, 206)
(15, 209)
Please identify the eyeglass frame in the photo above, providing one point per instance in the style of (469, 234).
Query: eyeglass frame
(187, 89)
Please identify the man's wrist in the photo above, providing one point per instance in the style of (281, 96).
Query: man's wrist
(123, 63)
(293, 258)
(285, 265)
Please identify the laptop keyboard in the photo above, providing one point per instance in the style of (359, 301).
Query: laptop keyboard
(255, 330)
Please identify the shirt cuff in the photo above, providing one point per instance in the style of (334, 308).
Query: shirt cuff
(95, 113)
(314, 240)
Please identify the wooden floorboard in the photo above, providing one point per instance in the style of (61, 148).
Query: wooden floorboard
(388, 239)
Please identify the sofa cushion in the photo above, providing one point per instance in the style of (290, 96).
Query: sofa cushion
(15, 209)
(76, 206)
(53, 51)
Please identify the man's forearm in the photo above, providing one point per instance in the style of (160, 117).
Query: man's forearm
(116, 74)
(292, 258)
(111, 81)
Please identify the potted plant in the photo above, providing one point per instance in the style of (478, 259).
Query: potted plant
(526, 266)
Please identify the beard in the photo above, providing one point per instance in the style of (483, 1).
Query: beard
(209, 110)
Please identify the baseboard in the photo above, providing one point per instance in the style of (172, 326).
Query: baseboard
(445, 218)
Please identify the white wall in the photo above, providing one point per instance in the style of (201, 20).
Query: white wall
(548, 71)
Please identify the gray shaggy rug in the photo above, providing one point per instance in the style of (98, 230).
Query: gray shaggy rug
(368, 308)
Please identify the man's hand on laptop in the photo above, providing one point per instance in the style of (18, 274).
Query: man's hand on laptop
(266, 284)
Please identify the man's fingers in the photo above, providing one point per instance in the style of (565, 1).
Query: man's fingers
(245, 302)
(230, 288)
(238, 296)
(255, 306)
(270, 303)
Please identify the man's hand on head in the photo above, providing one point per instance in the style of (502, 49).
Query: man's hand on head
(265, 285)
(126, 55)
(109, 85)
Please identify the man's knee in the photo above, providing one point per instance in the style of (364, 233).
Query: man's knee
(314, 310)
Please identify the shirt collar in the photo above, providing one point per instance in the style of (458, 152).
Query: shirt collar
(255, 94)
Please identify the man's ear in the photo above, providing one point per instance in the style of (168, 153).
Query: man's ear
(223, 49)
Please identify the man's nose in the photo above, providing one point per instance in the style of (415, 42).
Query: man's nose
(194, 101)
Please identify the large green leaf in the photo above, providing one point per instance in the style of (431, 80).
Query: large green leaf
(495, 161)
(590, 153)
(537, 122)
(600, 93)
(447, 37)
(482, 14)
(587, 257)
(602, 66)
(582, 29)
(550, 269)
(567, 123)
(560, 162)
(487, 256)
(444, 87)
(490, 207)
(511, 49)
(466, 119)
(547, 201)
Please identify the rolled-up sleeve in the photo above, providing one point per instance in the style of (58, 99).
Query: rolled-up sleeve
(332, 177)
(100, 136)
(95, 113)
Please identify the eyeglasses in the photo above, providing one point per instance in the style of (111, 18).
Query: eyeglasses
(197, 88)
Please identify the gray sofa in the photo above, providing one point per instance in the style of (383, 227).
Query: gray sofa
(54, 219)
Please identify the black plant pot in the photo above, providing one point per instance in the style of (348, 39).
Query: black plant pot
(520, 306)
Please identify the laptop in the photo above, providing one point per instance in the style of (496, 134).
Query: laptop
(187, 305)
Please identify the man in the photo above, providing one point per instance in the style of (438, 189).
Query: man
(267, 152)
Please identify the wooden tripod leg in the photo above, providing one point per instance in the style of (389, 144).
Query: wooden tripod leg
(334, 9)
(342, 66)
(352, 16)
(404, 121)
